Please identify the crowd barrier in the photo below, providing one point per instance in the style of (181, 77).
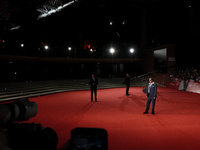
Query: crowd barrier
(174, 84)
(193, 87)
(190, 86)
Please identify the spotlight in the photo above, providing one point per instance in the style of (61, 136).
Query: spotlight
(112, 50)
(46, 47)
(69, 48)
(22, 45)
(132, 50)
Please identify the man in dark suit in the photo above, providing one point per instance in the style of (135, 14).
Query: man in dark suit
(93, 82)
(151, 95)
(127, 83)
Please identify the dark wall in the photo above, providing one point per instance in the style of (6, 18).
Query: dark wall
(23, 70)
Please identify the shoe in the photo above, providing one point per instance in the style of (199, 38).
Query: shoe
(146, 112)
(152, 112)
(91, 100)
(96, 100)
(127, 94)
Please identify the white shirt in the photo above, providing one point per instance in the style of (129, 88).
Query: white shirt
(150, 84)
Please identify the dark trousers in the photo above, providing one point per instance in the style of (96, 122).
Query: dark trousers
(93, 90)
(148, 104)
(127, 89)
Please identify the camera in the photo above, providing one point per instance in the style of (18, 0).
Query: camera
(24, 136)
(89, 139)
(32, 136)
(19, 110)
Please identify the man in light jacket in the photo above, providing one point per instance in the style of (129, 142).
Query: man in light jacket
(151, 95)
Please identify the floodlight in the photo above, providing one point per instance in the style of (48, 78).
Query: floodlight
(112, 50)
(69, 48)
(46, 47)
(132, 50)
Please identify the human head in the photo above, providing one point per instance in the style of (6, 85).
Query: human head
(151, 80)
(93, 75)
(127, 75)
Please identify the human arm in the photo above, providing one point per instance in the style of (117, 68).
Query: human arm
(155, 91)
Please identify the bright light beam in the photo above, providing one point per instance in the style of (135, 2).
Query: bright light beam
(112, 50)
(132, 50)
(46, 47)
(48, 13)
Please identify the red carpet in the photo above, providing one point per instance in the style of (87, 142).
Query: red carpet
(175, 125)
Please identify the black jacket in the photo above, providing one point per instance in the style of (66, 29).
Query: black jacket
(127, 81)
(93, 83)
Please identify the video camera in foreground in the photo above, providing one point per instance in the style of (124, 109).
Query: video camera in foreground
(16, 135)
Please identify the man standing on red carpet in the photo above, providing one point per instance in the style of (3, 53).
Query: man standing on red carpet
(151, 95)
(93, 82)
(127, 83)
